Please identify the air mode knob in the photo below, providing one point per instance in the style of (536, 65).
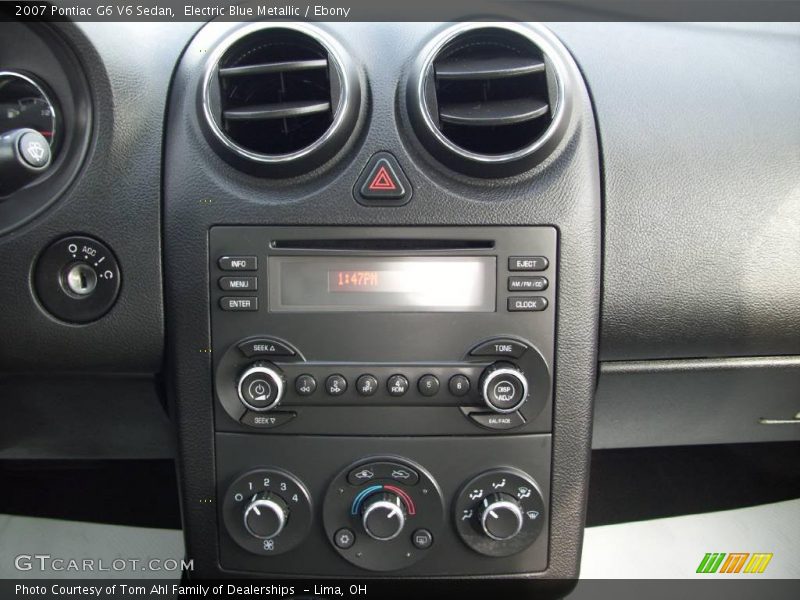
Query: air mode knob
(265, 516)
(383, 516)
(501, 517)
(504, 387)
(261, 386)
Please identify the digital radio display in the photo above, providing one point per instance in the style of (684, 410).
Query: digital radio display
(382, 284)
(356, 281)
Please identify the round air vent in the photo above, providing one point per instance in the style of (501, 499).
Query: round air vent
(280, 100)
(490, 100)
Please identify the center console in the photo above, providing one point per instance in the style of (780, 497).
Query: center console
(354, 338)
(382, 354)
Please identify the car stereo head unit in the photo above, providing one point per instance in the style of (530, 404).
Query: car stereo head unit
(383, 330)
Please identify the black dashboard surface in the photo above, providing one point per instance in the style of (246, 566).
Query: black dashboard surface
(700, 165)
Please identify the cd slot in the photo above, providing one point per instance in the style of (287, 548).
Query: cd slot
(383, 245)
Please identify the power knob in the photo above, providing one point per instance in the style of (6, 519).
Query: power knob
(504, 387)
(261, 386)
(265, 516)
(383, 516)
(501, 517)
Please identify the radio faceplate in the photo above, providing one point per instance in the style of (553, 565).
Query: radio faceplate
(352, 366)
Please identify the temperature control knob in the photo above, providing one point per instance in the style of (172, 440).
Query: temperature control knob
(504, 387)
(261, 387)
(501, 516)
(265, 516)
(383, 516)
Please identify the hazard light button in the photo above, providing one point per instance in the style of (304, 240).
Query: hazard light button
(382, 182)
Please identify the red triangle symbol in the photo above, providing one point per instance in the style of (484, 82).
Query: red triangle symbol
(382, 181)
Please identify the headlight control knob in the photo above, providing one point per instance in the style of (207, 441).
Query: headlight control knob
(501, 516)
(261, 386)
(383, 516)
(504, 387)
(265, 516)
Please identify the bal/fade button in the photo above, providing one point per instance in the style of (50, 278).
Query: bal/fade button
(498, 422)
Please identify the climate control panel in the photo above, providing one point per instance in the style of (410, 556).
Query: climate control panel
(383, 398)
(385, 513)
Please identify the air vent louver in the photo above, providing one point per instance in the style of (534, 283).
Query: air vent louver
(486, 99)
(280, 96)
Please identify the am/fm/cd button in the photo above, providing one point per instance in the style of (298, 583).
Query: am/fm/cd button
(527, 284)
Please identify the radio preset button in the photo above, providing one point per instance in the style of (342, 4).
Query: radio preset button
(335, 385)
(238, 263)
(500, 347)
(527, 303)
(397, 385)
(265, 347)
(459, 385)
(527, 284)
(527, 263)
(305, 385)
(428, 385)
(367, 385)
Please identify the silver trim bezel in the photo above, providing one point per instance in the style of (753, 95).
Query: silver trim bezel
(41, 90)
(505, 371)
(275, 508)
(267, 372)
(514, 508)
(553, 57)
(336, 53)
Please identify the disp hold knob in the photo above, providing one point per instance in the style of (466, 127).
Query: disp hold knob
(504, 387)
